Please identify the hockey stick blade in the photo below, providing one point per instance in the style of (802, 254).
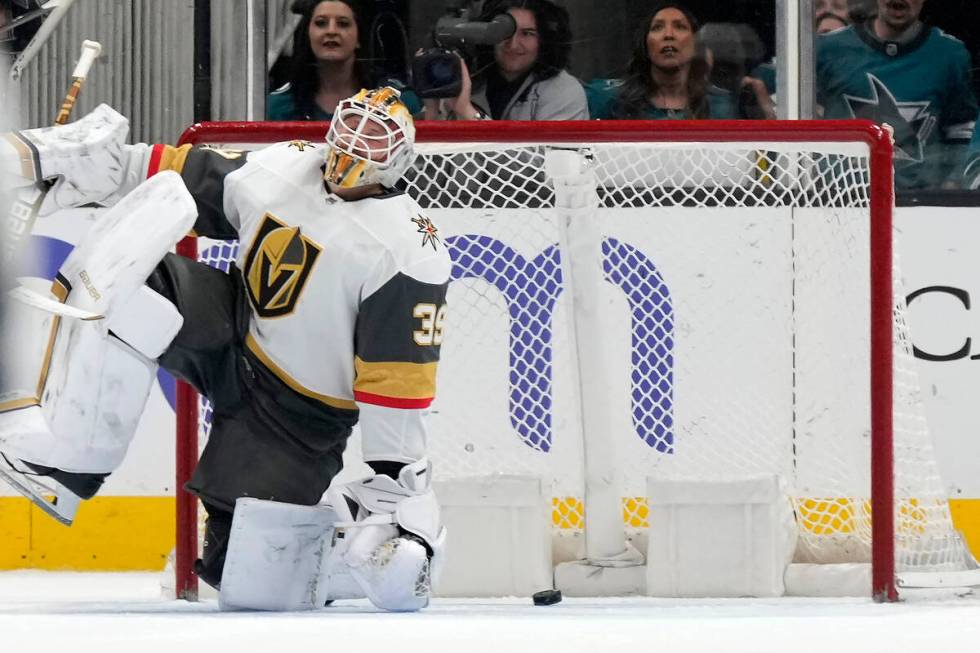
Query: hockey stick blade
(37, 300)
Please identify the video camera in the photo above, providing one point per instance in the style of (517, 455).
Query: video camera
(437, 72)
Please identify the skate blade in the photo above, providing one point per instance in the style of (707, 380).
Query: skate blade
(56, 500)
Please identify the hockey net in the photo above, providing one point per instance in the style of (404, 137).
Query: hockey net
(735, 312)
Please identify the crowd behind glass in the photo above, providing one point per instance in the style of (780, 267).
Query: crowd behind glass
(874, 59)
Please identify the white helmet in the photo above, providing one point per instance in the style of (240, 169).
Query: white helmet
(371, 140)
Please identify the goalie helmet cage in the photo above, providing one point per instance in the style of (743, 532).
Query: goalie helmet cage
(723, 180)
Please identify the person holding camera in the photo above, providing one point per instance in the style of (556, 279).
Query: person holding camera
(325, 68)
(667, 77)
(522, 77)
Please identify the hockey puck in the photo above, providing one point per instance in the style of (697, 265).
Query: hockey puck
(547, 597)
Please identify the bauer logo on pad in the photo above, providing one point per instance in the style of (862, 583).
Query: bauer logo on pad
(277, 266)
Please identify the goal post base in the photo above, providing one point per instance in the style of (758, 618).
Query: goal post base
(168, 584)
(933, 580)
(854, 580)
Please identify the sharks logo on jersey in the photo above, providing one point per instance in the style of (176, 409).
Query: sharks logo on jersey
(921, 87)
(912, 121)
(277, 266)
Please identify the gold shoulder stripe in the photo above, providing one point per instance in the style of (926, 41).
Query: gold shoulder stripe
(395, 379)
(173, 158)
(282, 375)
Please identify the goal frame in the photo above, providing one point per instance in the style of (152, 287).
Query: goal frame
(881, 196)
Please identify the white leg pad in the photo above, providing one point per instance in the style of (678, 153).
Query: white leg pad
(94, 396)
(96, 385)
(285, 557)
(336, 581)
(279, 558)
(24, 335)
(147, 322)
(121, 250)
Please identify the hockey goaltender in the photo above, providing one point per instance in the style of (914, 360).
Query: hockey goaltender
(331, 316)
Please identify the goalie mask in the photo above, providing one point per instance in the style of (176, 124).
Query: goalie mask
(370, 141)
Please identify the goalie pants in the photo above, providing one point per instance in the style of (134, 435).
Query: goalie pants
(266, 440)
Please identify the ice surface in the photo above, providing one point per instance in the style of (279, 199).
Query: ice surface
(105, 613)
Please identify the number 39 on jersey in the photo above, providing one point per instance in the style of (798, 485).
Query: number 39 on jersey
(432, 318)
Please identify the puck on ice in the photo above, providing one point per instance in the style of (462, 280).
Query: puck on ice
(547, 597)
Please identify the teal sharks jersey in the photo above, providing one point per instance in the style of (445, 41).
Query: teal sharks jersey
(922, 88)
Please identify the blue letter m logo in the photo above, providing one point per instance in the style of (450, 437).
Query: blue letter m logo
(531, 289)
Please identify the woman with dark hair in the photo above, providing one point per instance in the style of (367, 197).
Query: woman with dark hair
(324, 67)
(667, 76)
(523, 77)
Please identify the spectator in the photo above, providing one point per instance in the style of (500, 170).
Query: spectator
(859, 11)
(829, 22)
(324, 68)
(667, 76)
(733, 49)
(836, 8)
(523, 77)
(894, 69)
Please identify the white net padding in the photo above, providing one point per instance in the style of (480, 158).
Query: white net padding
(736, 296)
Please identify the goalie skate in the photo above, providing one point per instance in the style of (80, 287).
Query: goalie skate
(396, 575)
(45, 492)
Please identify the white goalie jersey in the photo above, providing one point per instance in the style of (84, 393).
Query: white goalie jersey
(318, 270)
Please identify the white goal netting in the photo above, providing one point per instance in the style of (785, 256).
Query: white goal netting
(730, 317)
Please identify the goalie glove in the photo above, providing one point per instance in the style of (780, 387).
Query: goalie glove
(393, 539)
(86, 161)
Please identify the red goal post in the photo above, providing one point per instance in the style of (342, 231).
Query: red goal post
(753, 136)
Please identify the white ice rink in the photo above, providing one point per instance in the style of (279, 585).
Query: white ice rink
(72, 612)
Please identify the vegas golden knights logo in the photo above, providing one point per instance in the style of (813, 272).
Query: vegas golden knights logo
(277, 266)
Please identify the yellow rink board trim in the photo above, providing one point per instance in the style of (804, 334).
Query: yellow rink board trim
(818, 515)
(966, 518)
(137, 533)
(109, 534)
